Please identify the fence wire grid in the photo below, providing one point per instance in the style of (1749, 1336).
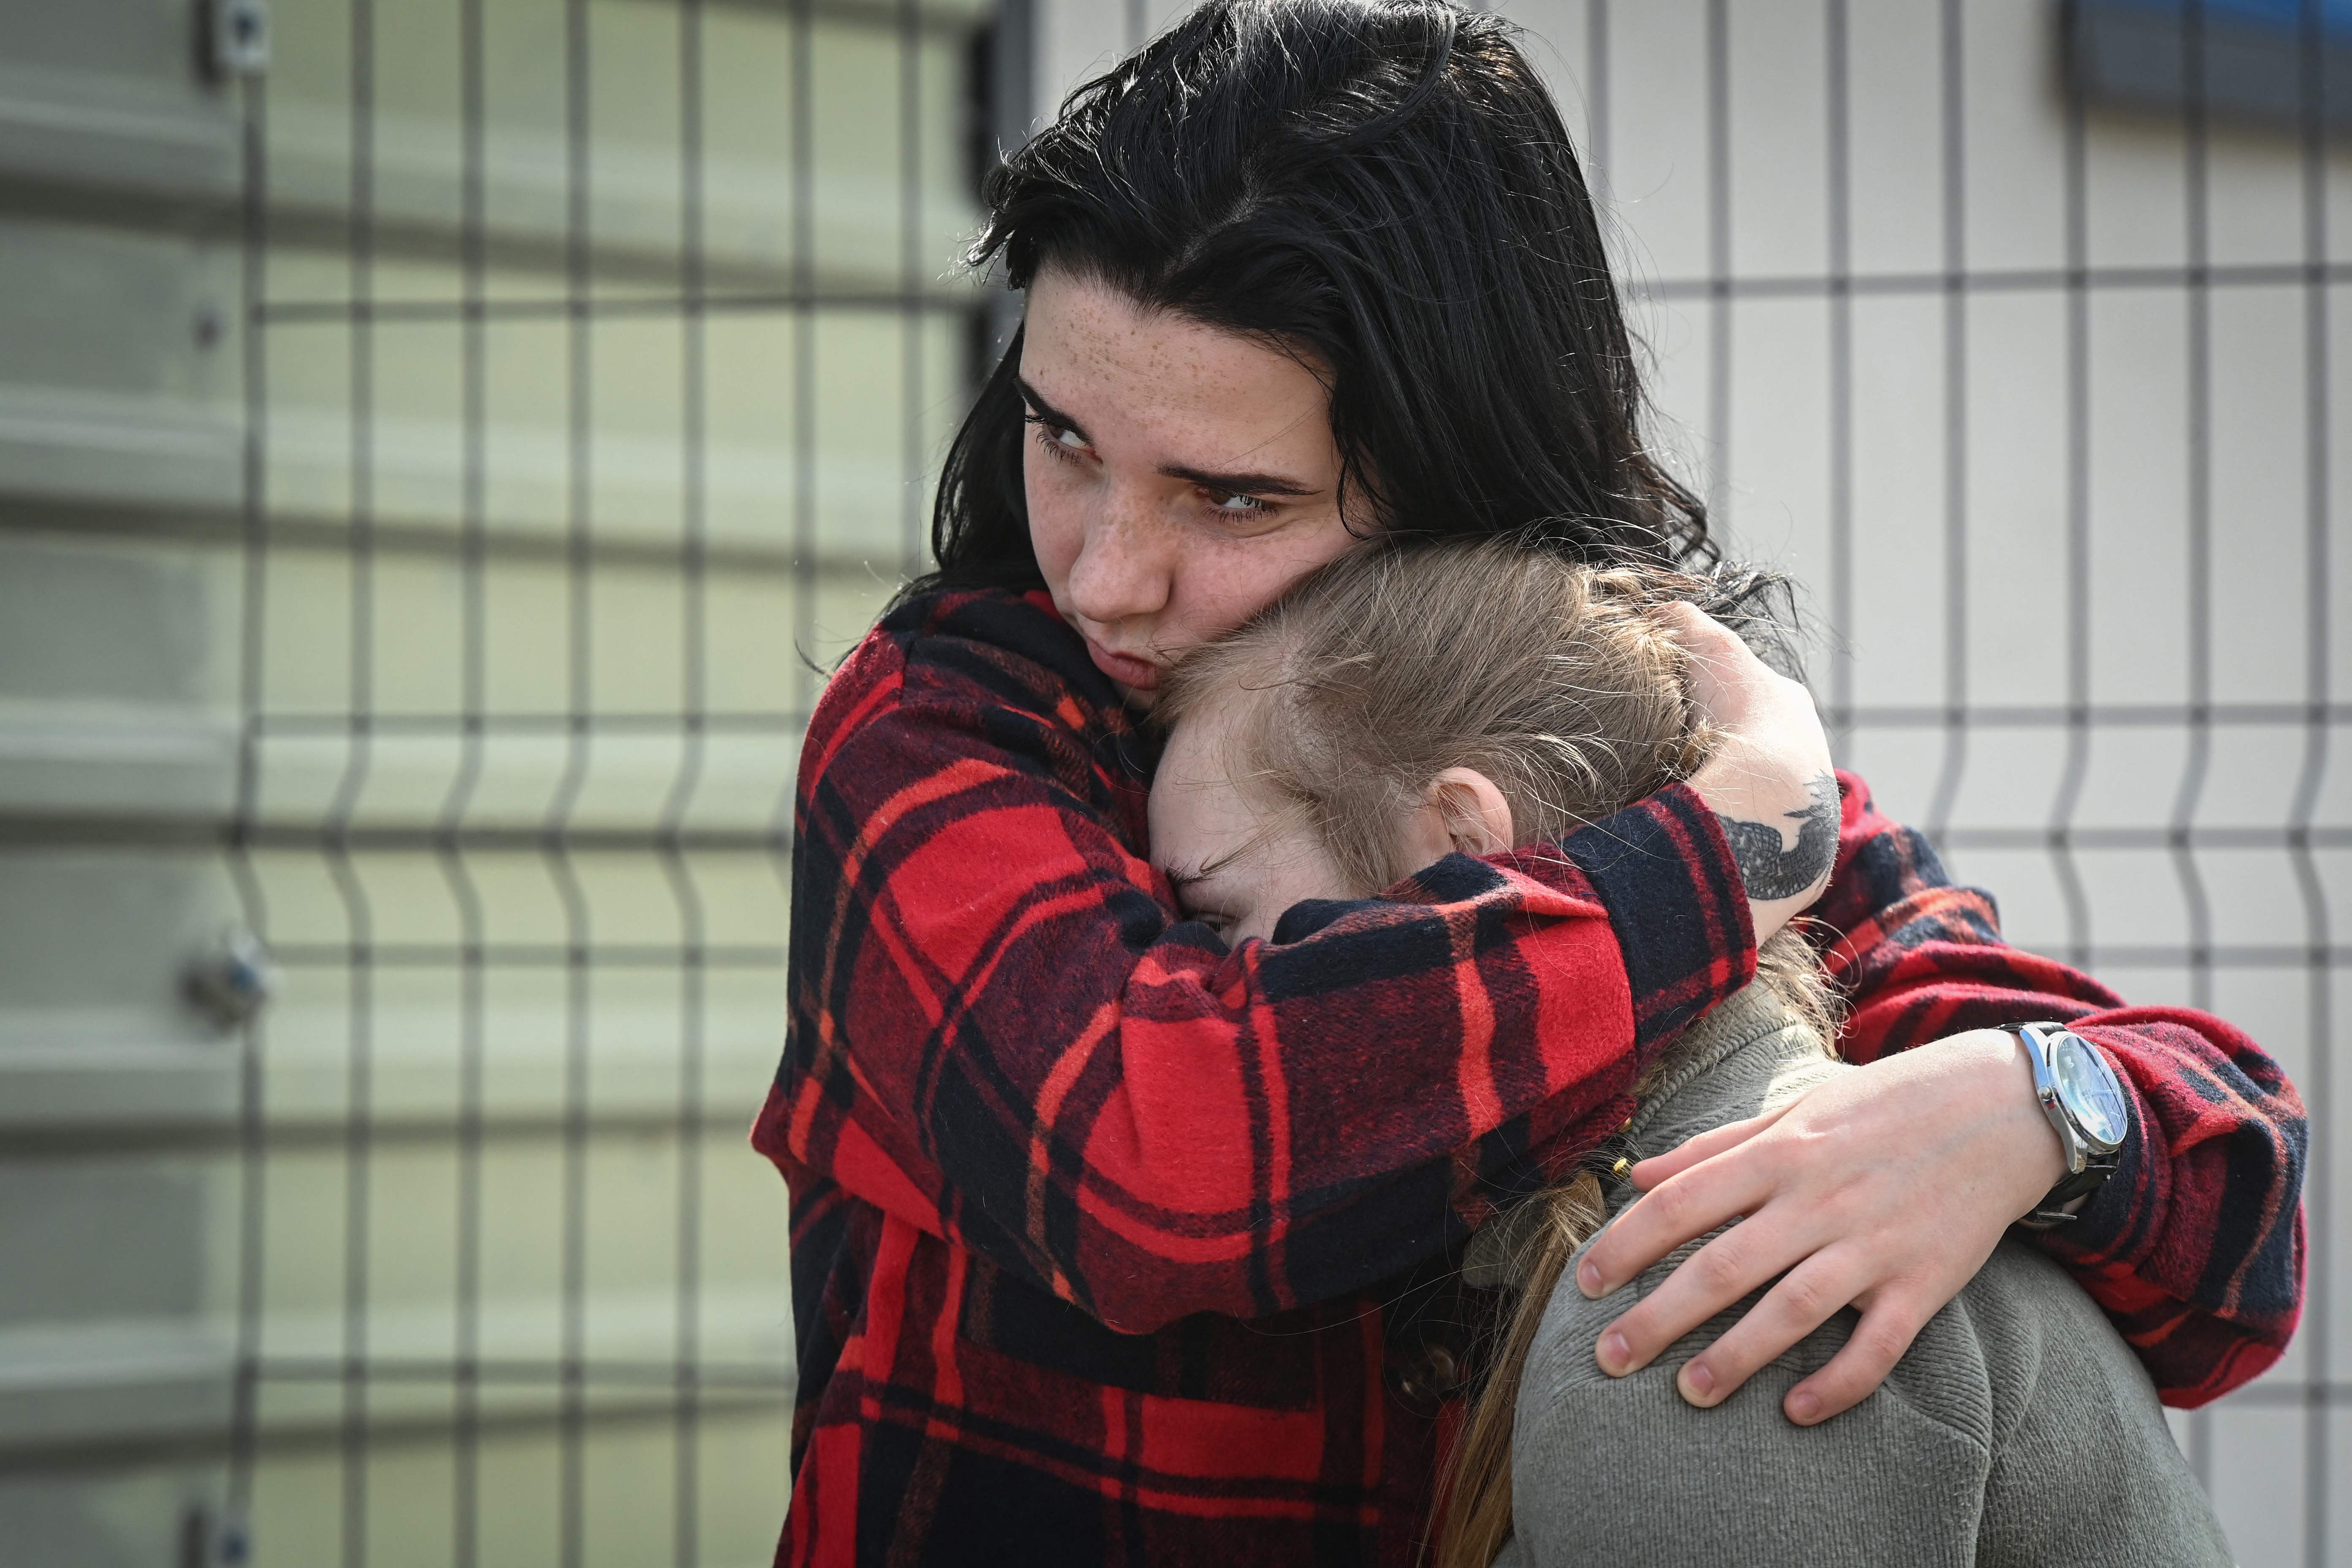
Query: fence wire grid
(1998, 758)
(566, 284)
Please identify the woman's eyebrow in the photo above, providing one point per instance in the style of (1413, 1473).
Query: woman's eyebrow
(1238, 484)
(1046, 410)
(1226, 484)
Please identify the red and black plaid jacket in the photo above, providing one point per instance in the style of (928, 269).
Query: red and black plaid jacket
(1109, 1244)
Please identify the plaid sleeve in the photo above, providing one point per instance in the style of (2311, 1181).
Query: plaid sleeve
(1000, 1033)
(2195, 1247)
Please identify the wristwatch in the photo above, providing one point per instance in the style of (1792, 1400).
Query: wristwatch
(2086, 1103)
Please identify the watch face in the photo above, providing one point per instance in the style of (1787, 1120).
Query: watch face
(2088, 1090)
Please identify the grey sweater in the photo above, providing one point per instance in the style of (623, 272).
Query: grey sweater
(2017, 1429)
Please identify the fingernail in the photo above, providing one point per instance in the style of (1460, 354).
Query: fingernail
(1588, 1278)
(1614, 1353)
(1804, 1406)
(1698, 1383)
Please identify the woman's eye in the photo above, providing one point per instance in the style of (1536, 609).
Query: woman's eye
(1237, 505)
(1059, 440)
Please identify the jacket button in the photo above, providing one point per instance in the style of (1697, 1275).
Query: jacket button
(1426, 1376)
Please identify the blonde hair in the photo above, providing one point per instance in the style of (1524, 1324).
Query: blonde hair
(1560, 682)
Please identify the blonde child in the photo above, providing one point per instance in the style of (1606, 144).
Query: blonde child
(1408, 702)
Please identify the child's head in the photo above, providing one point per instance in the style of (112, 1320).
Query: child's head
(1405, 701)
(1410, 699)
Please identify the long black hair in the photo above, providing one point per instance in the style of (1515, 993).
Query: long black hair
(1384, 189)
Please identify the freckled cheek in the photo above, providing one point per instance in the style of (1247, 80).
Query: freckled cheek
(1217, 585)
(1234, 582)
(1219, 588)
(1195, 611)
(1056, 527)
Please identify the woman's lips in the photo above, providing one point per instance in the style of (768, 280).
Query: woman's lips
(1124, 668)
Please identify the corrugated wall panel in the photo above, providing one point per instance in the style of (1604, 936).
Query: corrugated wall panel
(427, 471)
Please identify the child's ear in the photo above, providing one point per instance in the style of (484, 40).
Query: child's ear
(1474, 815)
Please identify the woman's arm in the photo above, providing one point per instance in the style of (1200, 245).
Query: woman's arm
(1887, 1192)
(1768, 776)
(999, 1034)
(2195, 1246)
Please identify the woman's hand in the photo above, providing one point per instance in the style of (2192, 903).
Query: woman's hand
(1885, 1190)
(1770, 779)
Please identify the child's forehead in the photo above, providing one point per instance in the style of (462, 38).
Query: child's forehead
(1206, 819)
(1226, 700)
(1202, 750)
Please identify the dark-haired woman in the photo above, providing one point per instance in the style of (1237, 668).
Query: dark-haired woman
(1110, 1244)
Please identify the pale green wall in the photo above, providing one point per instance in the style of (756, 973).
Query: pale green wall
(133, 592)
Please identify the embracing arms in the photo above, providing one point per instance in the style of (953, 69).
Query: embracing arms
(2194, 1249)
(2195, 1246)
(1000, 1035)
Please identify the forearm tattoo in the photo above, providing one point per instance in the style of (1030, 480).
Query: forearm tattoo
(1773, 868)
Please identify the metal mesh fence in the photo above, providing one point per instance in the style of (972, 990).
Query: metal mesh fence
(533, 800)
(2014, 331)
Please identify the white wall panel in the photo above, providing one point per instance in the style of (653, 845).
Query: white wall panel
(2011, 491)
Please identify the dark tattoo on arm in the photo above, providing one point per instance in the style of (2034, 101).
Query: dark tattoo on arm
(1771, 868)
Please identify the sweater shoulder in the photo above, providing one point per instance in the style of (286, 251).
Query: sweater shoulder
(2071, 1400)
(1942, 1378)
(2017, 1329)
(1627, 1460)
(2020, 1367)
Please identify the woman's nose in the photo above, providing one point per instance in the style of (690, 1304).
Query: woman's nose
(1123, 568)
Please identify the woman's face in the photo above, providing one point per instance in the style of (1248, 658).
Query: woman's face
(1179, 477)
